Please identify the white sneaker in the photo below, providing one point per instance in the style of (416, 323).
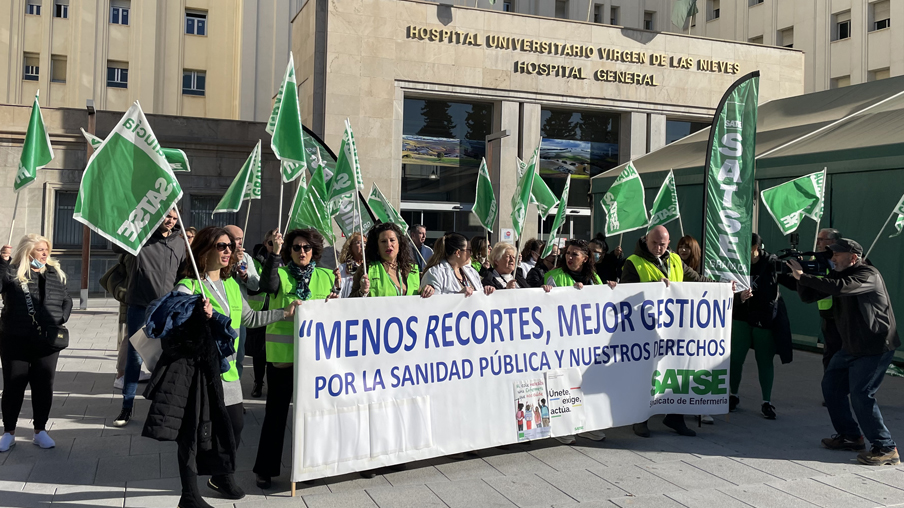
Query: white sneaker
(143, 376)
(707, 419)
(7, 441)
(593, 435)
(117, 383)
(43, 440)
(566, 439)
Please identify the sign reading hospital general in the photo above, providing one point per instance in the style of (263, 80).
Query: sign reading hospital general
(383, 381)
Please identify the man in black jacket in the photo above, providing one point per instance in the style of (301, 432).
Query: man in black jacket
(154, 274)
(869, 337)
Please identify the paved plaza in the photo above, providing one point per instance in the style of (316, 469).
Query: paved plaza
(743, 460)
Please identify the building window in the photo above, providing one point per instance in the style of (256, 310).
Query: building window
(756, 2)
(58, 69)
(61, 9)
(841, 82)
(562, 9)
(756, 40)
(597, 13)
(32, 71)
(613, 16)
(507, 6)
(194, 82)
(648, 18)
(117, 75)
(785, 38)
(33, 7)
(582, 144)
(678, 129)
(202, 208)
(713, 9)
(67, 232)
(119, 12)
(880, 14)
(196, 23)
(878, 74)
(842, 26)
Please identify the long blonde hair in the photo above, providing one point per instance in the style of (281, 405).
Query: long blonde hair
(22, 254)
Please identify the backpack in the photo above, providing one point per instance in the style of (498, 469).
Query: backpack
(116, 280)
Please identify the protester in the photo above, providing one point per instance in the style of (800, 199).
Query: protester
(536, 277)
(576, 270)
(598, 248)
(480, 253)
(653, 262)
(760, 321)
(290, 273)
(259, 300)
(349, 260)
(504, 275)
(610, 266)
(189, 235)
(420, 253)
(390, 271)
(689, 251)
(217, 254)
(35, 303)
(248, 279)
(869, 337)
(530, 254)
(153, 275)
(449, 270)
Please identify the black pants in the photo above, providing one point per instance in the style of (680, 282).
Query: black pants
(17, 374)
(236, 414)
(832, 338)
(260, 367)
(279, 396)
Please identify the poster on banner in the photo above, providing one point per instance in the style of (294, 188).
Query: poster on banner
(566, 401)
(412, 378)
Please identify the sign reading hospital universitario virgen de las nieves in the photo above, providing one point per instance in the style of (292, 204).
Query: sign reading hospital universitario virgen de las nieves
(384, 381)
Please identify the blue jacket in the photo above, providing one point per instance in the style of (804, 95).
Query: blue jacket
(173, 309)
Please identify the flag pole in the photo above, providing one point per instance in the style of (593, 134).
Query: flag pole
(279, 224)
(620, 239)
(892, 214)
(681, 224)
(191, 255)
(13, 223)
(360, 227)
(247, 216)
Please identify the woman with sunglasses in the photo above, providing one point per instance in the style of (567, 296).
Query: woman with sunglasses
(449, 269)
(290, 274)
(350, 259)
(390, 270)
(214, 251)
(575, 268)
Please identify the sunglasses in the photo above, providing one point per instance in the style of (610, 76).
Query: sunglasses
(222, 246)
(298, 247)
(270, 243)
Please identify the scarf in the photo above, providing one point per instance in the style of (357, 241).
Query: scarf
(302, 276)
(578, 276)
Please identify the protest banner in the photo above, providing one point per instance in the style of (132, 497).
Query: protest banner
(383, 381)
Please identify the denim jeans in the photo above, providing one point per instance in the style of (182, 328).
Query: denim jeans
(134, 322)
(240, 352)
(859, 377)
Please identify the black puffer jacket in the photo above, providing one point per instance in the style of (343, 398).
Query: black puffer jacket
(766, 309)
(18, 335)
(186, 397)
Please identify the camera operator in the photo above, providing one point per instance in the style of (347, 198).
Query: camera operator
(869, 337)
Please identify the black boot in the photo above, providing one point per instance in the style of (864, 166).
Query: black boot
(257, 390)
(191, 496)
(676, 423)
(225, 486)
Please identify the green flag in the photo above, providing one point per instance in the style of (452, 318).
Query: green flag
(242, 185)
(522, 197)
(729, 184)
(347, 178)
(665, 206)
(485, 207)
(347, 215)
(284, 126)
(253, 186)
(682, 11)
(540, 193)
(309, 210)
(790, 202)
(128, 187)
(177, 159)
(624, 203)
(558, 220)
(384, 210)
(899, 223)
(36, 151)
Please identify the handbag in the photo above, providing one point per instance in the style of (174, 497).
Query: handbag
(56, 336)
(148, 349)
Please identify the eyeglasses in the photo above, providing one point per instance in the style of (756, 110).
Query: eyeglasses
(222, 246)
(299, 247)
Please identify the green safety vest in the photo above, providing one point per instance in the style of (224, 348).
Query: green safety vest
(234, 297)
(476, 266)
(562, 279)
(381, 284)
(257, 301)
(280, 340)
(648, 272)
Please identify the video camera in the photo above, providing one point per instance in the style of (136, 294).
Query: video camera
(813, 263)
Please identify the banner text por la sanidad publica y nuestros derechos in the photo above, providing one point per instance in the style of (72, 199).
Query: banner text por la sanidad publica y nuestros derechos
(382, 381)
